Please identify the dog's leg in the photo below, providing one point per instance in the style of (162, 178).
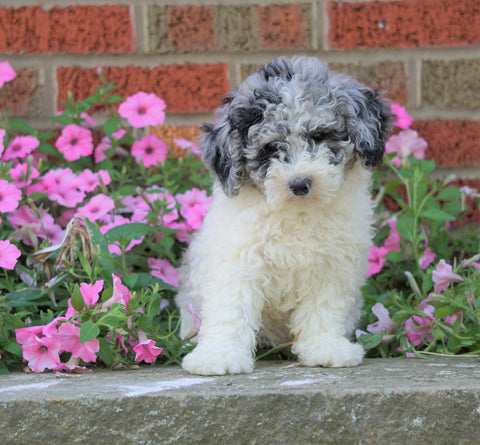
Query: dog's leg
(320, 327)
(230, 319)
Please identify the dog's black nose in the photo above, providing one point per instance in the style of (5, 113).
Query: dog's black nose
(300, 186)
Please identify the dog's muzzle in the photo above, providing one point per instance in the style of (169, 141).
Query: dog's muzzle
(300, 186)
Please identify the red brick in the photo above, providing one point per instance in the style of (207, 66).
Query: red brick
(74, 30)
(404, 24)
(451, 143)
(190, 28)
(23, 95)
(185, 88)
(283, 26)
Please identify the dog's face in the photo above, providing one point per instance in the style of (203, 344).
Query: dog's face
(293, 130)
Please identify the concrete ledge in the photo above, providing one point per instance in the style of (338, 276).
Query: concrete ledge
(394, 401)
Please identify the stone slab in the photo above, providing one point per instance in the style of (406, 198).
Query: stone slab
(394, 401)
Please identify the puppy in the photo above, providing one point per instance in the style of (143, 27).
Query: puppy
(283, 249)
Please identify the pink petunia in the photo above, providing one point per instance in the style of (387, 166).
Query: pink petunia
(20, 147)
(97, 208)
(426, 258)
(75, 142)
(404, 144)
(376, 260)
(185, 144)
(143, 109)
(146, 350)
(68, 337)
(197, 321)
(142, 209)
(88, 181)
(162, 269)
(384, 325)
(62, 186)
(418, 335)
(150, 150)
(106, 144)
(442, 276)
(23, 173)
(9, 254)
(392, 242)
(403, 119)
(7, 73)
(120, 293)
(90, 294)
(10, 196)
(41, 353)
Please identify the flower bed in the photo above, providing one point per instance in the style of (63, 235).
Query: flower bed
(94, 218)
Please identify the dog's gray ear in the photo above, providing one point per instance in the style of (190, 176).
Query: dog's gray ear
(222, 152)
(371, 127)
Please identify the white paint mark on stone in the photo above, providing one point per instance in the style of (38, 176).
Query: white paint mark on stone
(418, 422)
(478, 410)
(30, 386)
(309, 381)
(139, 390)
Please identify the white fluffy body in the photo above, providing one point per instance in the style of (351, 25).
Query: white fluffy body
(269, 266)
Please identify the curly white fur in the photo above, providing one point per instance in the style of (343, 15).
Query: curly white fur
(273, 262)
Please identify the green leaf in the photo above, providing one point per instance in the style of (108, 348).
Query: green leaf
(23, 297)
(370, 341)
(14, 348)
(105, 352)
(110, 126)
(21, 126)
(437, 215)
(404, 225)
(78, 303)
(394, 257)
(449, 194)
(85, 264)
(88, 331)
(128, 232)
(48, 149)
(3, 368)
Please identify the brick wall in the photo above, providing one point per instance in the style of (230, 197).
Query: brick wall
(424, 53)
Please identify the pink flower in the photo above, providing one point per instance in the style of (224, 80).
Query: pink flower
(146, 349)
(88, 181)
(182, 229)
(41, 353)
(120, 293)
(442, 276)
(106, 144)
(162, 269)
(404, 144)
(88, 121)
(418, 335)
(194, 206)
(392, 242)
(9, 254)
(68, 336)
(62, 186)
(469, 191)
(23, 173)
(403, 119)
(142, 209)
(20, 147)
(384, 325)
(376, 260)
(90, 294)
(7, 73)
(143, 109)
(75, 142)
(426, 258)
(197, 321)
(149, 150)
(10, 196)
(184, 144)
(97, 207)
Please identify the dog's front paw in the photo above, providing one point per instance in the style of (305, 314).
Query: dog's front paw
(330, 352)
(215, 359)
